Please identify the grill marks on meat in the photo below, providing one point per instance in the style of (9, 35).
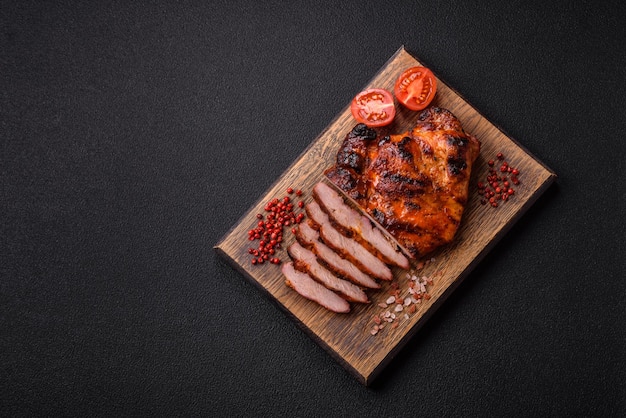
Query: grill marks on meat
(352, 160)
(357, 225)
(347, 247)
(306, 261)
(312, 290)
(414, 184)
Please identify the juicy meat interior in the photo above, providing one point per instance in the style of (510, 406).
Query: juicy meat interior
(414, 184)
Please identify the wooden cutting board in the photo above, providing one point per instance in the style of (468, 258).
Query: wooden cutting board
(348, 337)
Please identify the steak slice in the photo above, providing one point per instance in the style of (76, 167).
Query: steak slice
(309, 237)
(358, 225)
(304, 285)
(347, 247)
(304, 260)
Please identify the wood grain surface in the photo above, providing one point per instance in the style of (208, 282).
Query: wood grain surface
(347, 337)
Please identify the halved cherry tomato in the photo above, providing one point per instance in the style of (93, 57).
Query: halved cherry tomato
(373, 107)
(416, 88)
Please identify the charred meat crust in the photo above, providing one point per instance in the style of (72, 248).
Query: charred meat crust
(353, 152)
(414, 184)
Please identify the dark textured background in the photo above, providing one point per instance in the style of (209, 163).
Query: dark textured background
(133, 136)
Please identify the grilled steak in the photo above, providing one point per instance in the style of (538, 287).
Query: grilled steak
(414, 184)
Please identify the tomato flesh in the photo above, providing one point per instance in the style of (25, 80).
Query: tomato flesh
(373, 107)
(416, 88)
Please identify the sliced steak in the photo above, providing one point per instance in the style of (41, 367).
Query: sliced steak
(304, 285)
(309, 237)
(359, 225)
(347, 247)
(306, 261)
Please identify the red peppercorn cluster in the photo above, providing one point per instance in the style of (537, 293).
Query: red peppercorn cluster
(500, 182)
(269, 229)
